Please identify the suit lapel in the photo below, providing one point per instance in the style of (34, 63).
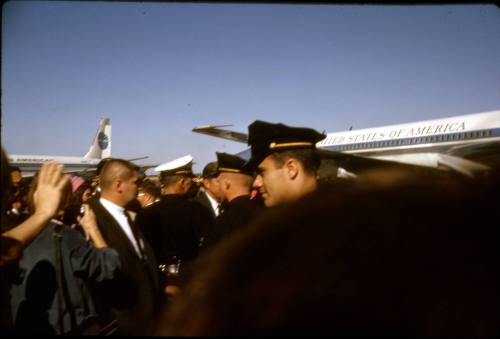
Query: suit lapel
(113, 232)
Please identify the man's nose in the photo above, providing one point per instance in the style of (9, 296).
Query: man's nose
(257, 182)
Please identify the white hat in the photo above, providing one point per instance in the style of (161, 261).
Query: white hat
(181, 165)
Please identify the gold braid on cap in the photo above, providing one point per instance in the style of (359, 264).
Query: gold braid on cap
(225, 169)
(182, 172)
(289, 144)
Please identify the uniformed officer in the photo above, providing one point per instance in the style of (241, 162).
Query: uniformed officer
(284, 161)
(239, 208)
(180, 222)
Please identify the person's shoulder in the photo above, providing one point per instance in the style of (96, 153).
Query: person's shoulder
(195, 203)
(242, 200)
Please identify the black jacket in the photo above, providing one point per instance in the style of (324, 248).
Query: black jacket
(238, 213)
(175, 226)
(136, 298)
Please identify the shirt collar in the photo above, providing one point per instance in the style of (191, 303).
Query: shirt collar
(111, 205)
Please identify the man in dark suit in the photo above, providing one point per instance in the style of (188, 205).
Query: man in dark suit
(134, 298)
(209, 194)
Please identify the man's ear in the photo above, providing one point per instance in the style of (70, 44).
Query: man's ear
(292, 168)
(226, 183)
(181, 182)
(117, 185)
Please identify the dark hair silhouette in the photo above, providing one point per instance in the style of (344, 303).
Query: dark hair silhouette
(389, 254)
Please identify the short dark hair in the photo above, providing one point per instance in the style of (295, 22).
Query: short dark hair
(106, 178)
(149, 187)
(210, 170)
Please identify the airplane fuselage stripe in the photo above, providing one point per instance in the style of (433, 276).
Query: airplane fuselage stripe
(448, 138)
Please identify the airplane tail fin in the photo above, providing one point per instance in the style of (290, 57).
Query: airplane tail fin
(101, 146)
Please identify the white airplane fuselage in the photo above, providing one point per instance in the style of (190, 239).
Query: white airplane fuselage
(420, 142)
(30, 164)
(99, 149)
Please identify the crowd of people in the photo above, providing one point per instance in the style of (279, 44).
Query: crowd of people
(260, 246)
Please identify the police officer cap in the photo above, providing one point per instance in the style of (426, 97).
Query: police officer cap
(230, 163)
(180, 166)
(266, 138)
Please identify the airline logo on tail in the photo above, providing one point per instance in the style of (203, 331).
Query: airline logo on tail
(102, 140)
(101, 146)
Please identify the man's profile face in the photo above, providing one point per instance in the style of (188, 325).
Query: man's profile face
(130, 188)
(271, 182)
(213, 186)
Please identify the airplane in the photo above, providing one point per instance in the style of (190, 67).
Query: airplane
(466, 144)
(99, 149)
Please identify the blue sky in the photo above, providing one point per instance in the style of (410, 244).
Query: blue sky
(159, 69)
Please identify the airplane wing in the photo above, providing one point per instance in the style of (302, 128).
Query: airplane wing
(143, 167)
(219, 132)
(92, 171)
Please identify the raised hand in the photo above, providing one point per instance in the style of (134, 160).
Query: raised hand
(51, 182)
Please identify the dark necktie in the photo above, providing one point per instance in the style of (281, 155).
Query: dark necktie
(137, 237)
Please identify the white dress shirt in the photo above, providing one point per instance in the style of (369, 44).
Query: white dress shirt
(118, 213)
(214, 203)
